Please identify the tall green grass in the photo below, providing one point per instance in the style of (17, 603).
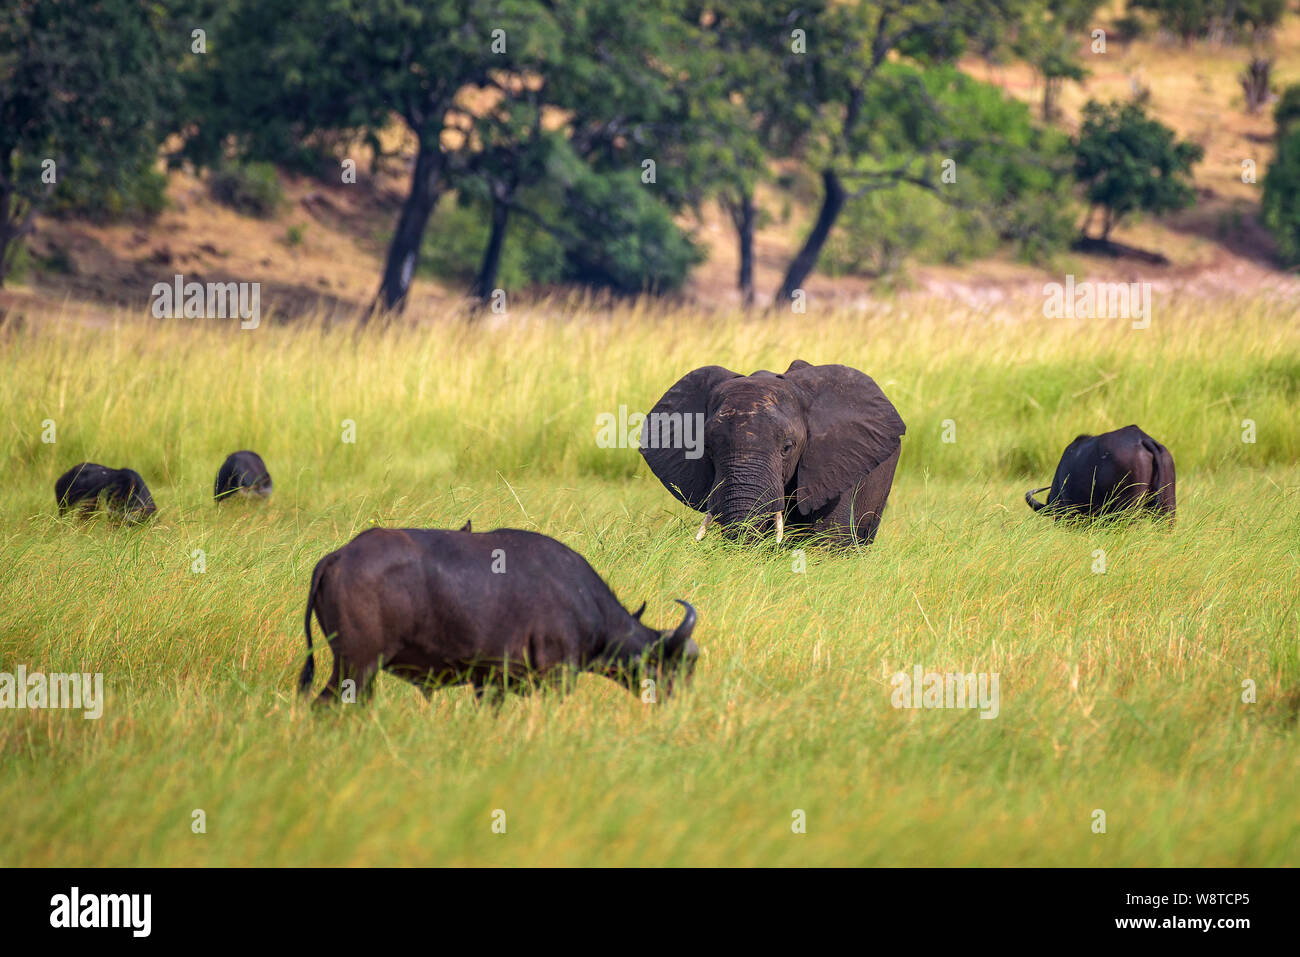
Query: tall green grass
(1120, 692)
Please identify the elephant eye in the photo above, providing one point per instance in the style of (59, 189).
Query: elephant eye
(785, 449)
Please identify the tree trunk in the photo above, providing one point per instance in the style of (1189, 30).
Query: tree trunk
(404, 251)
(8, 228)
(5, 235)
(806, 259)
(485, 282)
(743, 215)
(1052, 86)
(12, 228)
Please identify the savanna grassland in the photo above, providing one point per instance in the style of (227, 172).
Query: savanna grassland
(1120, 692)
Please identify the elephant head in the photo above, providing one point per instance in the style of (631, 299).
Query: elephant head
(796, 448)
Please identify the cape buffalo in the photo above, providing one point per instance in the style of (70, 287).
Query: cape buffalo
(242, 472)
(88, 486)
(1104, 474)
(500, 610)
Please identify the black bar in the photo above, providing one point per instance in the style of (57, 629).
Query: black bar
(941, 907)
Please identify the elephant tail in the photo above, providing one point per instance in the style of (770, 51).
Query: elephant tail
(1033, 502)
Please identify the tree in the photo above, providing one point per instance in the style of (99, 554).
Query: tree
(487, 88)
(83, 92)
(1287, 112)
(1128, 162)
(754, 88)
(1001, 178)
(1047, 41)
(1280, 205)
(1189, 19)
(304, 68)
(615, 90)
(838, 86)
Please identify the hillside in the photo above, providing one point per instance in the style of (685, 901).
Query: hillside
(341, 230)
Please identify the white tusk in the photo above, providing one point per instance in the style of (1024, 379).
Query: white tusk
(708, 520)
(780, 527)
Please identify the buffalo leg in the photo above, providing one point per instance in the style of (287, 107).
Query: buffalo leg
(491, 694)
(363, 679)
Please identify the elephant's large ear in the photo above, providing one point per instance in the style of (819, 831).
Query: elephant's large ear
(852, 428)
(663, 445)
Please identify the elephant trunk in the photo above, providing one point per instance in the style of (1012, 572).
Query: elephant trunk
(748, 491)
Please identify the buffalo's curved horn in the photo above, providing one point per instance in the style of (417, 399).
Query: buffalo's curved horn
(637, 614)
(1033, 502)
(682, 633)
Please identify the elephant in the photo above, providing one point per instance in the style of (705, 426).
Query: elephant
(813, 449)
(1102, 475)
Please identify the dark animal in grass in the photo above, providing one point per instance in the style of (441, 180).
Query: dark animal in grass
(1102, 475)
(502, 610)
(242, 472)
(811, 450)
(88, 487)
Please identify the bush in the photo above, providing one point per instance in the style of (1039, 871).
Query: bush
(249, 188)
(877, 232)
(140, 193)
(458, 233)
(1280, 206)
(1287, 112)
(606, 230)
(622, 238)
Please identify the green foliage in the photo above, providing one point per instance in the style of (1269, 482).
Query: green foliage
(1189, 19)
(132, 193)
(622, 238)
(604, 230)
(249, 188)
(1128, 162)
(1011, 178)
(90, 89)
(1280, 204)
(879, 231)
(290, 58)
(1286, 115)
(458, 232)
(1047, 39)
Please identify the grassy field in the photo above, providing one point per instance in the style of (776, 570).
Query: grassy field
(1120, 692)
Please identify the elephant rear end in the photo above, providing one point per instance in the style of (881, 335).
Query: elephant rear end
(1107, 474)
